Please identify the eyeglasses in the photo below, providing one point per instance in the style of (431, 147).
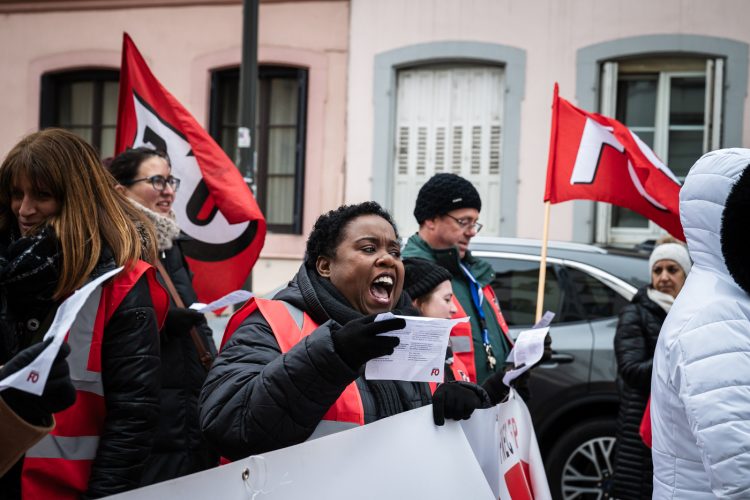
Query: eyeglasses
(467, 223)
(159, 182)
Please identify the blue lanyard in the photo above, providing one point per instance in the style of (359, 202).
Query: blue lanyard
(477, 297)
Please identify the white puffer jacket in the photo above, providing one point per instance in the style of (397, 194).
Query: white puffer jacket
(700, 388)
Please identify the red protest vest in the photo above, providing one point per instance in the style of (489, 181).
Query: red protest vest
(459, 370)
(288, 331)
(59, 465)
(462, 341)
(645, 428)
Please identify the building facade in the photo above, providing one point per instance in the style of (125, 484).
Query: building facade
(60, 67)
(365, 99)
(466, 87)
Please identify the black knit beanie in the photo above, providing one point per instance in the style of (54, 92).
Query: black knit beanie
(422, 276)
(443, 193)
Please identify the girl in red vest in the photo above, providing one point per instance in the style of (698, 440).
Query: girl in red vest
(429, 286)
(292, 368)
(61, 224)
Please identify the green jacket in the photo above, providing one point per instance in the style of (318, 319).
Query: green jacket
(482, 271)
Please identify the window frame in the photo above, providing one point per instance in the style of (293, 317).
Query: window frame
(265, 74)
(589, 59)
(52, 81)
(386, 66)
(439, 128)
(604, 231)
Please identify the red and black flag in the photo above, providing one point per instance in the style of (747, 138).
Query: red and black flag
(214, 205)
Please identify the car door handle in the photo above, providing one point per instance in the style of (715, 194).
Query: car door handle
(558, 358)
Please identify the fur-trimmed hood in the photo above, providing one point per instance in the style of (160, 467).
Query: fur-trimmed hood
(165, 227)
(700, 385)
(713, 219)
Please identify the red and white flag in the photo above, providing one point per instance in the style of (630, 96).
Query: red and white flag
(214, 205)
(593, 157)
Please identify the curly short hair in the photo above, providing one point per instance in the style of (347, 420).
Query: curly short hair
(329, 229)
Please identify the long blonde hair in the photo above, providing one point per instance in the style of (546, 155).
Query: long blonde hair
(92, 213)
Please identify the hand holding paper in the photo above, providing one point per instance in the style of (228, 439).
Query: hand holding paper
(358, 341)
(527, 351)
(420, 354)
(33, 377)
(59, 392)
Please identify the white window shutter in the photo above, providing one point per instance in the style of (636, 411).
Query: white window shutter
(449, 119)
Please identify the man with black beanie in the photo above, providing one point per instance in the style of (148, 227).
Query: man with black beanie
(447, 210)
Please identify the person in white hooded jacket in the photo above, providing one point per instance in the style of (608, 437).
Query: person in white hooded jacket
(700, 387)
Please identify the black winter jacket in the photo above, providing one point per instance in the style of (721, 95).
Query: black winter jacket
(130, 364)
(635, 341)
(179, 448)
(257, 400)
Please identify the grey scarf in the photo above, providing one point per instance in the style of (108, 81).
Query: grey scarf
(165, 226)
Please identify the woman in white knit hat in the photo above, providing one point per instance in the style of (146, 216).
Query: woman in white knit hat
(635, 341)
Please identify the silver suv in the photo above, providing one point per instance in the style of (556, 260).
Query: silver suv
(573, 396)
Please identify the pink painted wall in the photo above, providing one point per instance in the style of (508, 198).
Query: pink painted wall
(550, 31)
(182, 45)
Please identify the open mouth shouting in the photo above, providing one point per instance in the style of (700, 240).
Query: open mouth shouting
(381, 289)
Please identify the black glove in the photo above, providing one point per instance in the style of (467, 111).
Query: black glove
(497, 390)
(358, 341)
(181, 320)
(58, 394)
(457, 401)
(494, 386)
(547, 349)
(521, 385)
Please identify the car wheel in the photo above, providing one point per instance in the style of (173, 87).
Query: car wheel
(579, 465)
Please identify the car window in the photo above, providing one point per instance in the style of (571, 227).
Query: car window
(516, 284)
(596, 299)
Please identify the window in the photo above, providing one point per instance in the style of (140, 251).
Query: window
(448, 119)
(84, 102)
(280, 138)
(674, 106)
(515, 285)
(596, 299)
(570, 293)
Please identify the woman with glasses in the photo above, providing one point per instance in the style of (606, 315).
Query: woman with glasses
(144, 176)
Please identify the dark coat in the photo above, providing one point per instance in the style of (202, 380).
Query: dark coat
(179, 448)
(130, 364)
(635, 341)
(252, 401)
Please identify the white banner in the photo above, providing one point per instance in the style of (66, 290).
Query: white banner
(32, 377)
(511, 461)
(402, 457)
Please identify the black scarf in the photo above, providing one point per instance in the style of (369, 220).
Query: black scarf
(29, 272)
